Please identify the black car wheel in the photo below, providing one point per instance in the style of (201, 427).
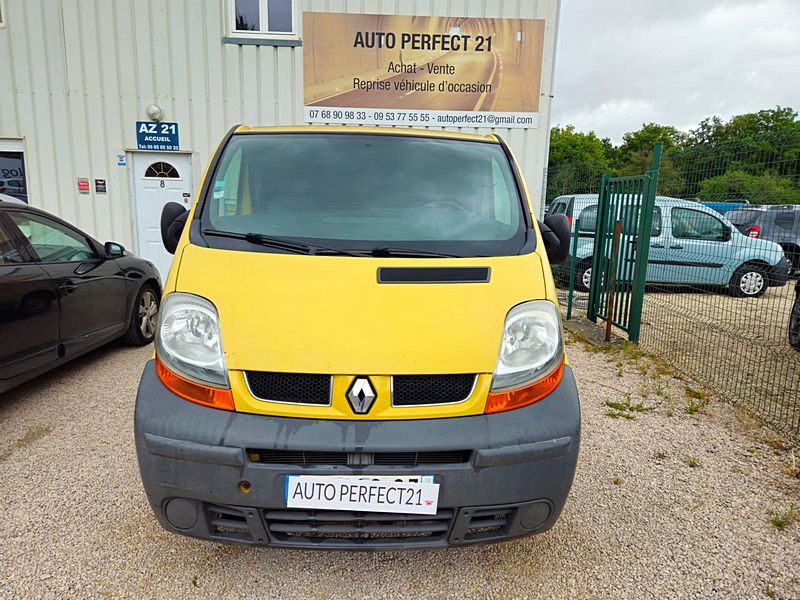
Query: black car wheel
(794, 324)
(144, 317)
(583, 275)
(749, 281)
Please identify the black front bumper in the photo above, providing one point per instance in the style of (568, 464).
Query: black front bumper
(514, 481)
(780, 272)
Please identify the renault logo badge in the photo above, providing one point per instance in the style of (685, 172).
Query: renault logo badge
(361, 395)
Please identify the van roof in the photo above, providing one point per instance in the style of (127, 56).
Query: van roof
(430, 133)
(766, 207)
(661, 200)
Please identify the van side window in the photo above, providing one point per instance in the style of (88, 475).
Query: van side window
(589, 221)
(588, 218)
(696, 225)
(655, 227)
(631, 222)
(785, 219)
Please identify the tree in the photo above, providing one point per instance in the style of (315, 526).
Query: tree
(754, 156)
(577, 161)
(714, 130)
(765, 143)
(635, 154)
(758, 189)
(568, 146)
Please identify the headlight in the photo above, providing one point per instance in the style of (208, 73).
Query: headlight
(531, 347)
(188, 339)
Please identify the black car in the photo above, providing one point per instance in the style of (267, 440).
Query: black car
(778, 223)
(63, 293)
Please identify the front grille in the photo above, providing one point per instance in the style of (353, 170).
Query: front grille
(316, 458)
(302, 527)
(415, 390)
(297, 388)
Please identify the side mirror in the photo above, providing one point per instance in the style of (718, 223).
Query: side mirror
(726, 234)
(114, 250)
(556, 233)
(173, 218)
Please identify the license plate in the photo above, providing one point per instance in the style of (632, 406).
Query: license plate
(415, 494)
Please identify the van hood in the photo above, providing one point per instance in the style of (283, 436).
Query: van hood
(329, 314)
(769, 248)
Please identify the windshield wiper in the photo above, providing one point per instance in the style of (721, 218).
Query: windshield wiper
(389, 251)
(289, 245)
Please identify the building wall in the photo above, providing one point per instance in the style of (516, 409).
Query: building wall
(75, 76)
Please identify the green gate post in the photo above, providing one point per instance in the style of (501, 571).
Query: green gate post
(643, 246)
(599, 249)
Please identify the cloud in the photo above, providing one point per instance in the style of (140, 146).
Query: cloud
(622, 63)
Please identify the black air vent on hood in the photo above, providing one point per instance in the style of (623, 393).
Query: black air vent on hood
(433, 274)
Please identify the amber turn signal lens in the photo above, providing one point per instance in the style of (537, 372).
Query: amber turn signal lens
(194, 392)
(501, 401)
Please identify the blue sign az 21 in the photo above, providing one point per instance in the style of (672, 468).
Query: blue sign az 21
(157, 136)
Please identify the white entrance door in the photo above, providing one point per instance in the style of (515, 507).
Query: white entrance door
(158, 178)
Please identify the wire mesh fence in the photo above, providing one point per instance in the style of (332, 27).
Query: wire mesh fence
(722, 302)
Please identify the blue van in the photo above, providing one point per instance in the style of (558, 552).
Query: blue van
(690, 244)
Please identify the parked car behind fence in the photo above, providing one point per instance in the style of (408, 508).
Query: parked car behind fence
(779, 224)
(725, 206)
(690, 244)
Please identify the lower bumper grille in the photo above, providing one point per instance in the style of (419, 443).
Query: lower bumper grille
(314, 458)
(356, 530)
(352, 528)
(488, 524)
(227, 522)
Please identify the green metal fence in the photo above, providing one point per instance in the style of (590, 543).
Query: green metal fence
(623, 225)
(720, 280)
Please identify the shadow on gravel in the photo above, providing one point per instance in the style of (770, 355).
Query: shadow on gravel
(61, 374)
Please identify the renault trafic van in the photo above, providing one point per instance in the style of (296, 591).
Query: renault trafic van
(359, 346)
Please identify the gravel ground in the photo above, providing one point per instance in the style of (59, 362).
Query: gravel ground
(641, 520)
(737, 347)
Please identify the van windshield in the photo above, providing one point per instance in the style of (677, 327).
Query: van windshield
(360, 192)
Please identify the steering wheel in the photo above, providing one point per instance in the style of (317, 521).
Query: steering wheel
(446, 205)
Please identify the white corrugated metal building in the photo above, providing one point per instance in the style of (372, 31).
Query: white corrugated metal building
(77, 75)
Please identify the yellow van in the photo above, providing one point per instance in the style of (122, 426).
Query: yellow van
(359, 346)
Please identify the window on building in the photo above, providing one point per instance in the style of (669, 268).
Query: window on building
(162, 170)
(12, 173)
(263, 16)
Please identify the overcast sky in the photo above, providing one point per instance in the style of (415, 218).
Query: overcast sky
(621, 63)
